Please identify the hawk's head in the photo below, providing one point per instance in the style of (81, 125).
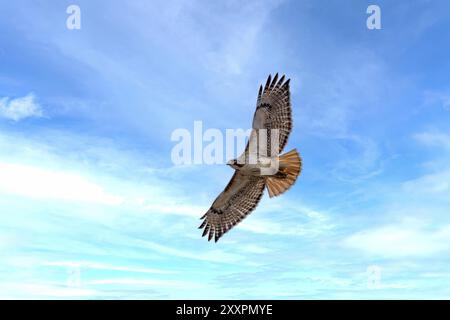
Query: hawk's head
(234, 164)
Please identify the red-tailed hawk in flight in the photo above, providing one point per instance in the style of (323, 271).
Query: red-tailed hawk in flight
(273, 117)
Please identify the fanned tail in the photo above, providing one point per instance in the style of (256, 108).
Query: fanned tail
(290, 166)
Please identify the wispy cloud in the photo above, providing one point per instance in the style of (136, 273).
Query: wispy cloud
(215, 255)
(400, 240)
(20, 108)
(433, 183)
(440, 98)
(39, 183)
(104, 266)
(145, 282)
(434, 139)
(291, 227)
(436, 182)
(39, 290)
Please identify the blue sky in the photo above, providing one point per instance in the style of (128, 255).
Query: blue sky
(91, 205)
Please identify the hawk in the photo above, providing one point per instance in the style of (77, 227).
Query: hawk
(240, 197)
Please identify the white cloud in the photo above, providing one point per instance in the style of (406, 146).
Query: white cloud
(20, 108)
(441, 98)
(170, 206)
(104, 266)
(434, 139)
(219, 256)
(8, 241)
(42, 290)
(145, 282)
(39, 183)
(294, 221)
(253, 248)
(434, 183)
(437, 182)
(400, 240)
(360, 159)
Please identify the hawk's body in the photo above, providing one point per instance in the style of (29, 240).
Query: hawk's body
(246, 187)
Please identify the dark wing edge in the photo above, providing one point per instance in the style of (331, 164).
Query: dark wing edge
(276, 98)
(218, 221)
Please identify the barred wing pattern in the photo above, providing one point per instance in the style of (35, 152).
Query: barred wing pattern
(273, 111)
(240, 197)
(243, 193)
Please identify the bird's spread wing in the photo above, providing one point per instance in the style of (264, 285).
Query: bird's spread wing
(273, 111)
(239, 198)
